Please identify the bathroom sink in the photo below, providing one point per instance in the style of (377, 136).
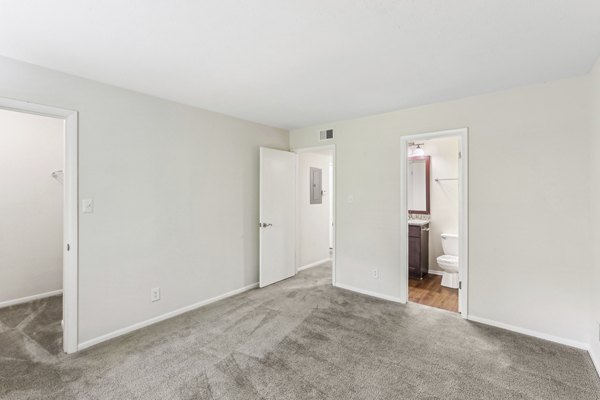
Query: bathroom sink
(419, 222)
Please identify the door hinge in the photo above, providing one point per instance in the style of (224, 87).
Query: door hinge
(459, 285)
(460, 154)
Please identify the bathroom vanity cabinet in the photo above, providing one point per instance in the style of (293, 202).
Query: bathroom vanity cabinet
(418, 251)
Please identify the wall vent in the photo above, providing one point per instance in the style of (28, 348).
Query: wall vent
(326, 134)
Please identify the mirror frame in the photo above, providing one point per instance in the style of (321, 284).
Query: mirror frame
(427, 183)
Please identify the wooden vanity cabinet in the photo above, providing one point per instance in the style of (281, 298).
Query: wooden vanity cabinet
(418, 251)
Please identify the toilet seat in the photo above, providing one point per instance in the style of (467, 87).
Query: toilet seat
(448, 259)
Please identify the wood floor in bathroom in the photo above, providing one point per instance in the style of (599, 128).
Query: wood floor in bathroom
(430, 292)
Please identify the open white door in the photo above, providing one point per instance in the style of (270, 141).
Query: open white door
(277, 215)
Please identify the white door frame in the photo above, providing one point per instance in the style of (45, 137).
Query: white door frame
(70, 213)
(333, 195)
(463, 220)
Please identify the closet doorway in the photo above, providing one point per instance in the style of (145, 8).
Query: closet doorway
(38, 281)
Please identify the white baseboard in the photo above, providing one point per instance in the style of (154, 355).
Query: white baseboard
(529, 332)
(434, 272)
(139, 325)
(315, 264)
(27, 299)
(369, 293)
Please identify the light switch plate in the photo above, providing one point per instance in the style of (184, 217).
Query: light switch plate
(87, 205)
(155, 294)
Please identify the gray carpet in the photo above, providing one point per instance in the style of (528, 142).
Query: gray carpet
(35, 325)
(304, 339)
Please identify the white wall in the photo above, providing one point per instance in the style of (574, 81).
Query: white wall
(175, 192)
(31, 148)
(528, 255)
(595, 214)
(444, 194)
(313, 219)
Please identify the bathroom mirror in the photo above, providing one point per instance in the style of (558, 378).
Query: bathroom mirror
(418, 184)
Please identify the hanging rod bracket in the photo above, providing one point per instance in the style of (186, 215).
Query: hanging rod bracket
(445, 179)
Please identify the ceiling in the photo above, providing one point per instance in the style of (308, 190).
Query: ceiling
(295, 63)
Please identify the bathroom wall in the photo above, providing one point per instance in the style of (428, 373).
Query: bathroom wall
(444, 194)
(31, 201)
(595, 215)
(175, 192)
(313, 219)
(523, 254)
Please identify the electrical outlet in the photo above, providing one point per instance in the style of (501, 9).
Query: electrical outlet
(375, 273)
(155, 294)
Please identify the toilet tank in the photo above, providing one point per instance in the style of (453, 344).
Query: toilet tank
(450, 244)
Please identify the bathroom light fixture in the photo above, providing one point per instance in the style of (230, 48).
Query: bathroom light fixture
(414, 149)
(418, 151)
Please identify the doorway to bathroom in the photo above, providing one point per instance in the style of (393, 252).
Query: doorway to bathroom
(38, 287)
(434, 211)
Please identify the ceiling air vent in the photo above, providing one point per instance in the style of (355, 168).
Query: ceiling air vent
(326, 134)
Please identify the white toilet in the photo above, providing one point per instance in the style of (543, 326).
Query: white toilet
(449, 261)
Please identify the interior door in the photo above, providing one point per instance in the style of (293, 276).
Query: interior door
(277, 224)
